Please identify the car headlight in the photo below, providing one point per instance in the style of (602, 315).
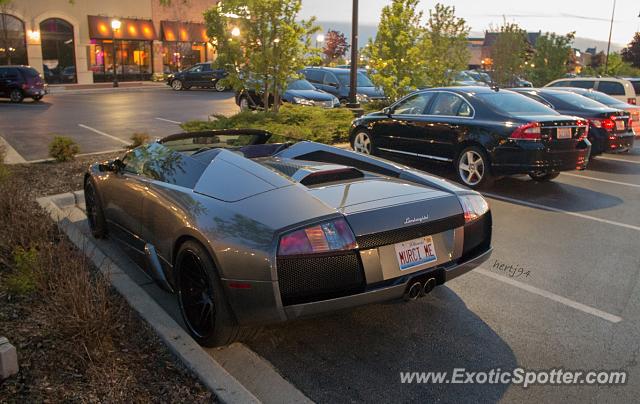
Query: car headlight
(303, 101)
(474, 206)
(362, 98)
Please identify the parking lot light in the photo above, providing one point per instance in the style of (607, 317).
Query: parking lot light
(115, 27)
(235, 32)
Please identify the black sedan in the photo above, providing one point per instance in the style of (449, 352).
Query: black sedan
(298, 92)
(484, 132)
(202, 75)
(609, 128)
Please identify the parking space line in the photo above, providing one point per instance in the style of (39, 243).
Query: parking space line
(601, 179)
(169, 120)
(94, 130)
(11, 155)
(566, 212)
(616, 159)
(551, 296)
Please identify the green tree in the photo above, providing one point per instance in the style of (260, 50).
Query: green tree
(509, 53)
(395, 55)
(261, 42)
(631, 54)
(551, 59)
(445, 45)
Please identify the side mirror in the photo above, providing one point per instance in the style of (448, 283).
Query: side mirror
(386, 111)
(333, 84)
(112, 166)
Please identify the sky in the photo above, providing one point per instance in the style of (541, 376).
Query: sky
(589, 18)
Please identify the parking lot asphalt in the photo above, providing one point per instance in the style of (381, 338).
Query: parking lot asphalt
(578, 308)
(100, 121)
(575, 306)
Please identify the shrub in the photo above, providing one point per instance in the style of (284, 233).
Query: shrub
(138, 139)
(63, 148)
(298, 122)
(22, 280)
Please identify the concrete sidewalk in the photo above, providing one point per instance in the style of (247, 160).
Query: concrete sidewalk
(234, 373)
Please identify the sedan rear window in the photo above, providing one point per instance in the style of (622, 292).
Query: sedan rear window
(514, 104)
(576, 100)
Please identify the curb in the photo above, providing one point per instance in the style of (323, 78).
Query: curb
(12, 156)
(226, 388)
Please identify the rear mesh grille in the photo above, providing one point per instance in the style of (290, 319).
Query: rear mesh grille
(409, 233)
(308, 279)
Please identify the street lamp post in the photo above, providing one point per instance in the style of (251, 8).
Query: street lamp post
(353, 81)
(606, 61)
(115, 26)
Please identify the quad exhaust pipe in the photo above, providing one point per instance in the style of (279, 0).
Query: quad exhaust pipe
(419, 289)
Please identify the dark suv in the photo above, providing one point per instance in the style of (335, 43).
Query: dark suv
(336, 81)
(198, 75)
(20, 82)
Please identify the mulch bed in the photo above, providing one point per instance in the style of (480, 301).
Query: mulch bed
(136, 367)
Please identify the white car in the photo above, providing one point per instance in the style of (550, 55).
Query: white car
(621, 89)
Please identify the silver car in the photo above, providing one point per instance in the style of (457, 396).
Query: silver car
(248, 228)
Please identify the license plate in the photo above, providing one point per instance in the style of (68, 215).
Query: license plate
(564, 133)
(619, 125)
(415, 252)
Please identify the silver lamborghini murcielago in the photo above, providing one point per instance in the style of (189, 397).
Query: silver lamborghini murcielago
(249, 228)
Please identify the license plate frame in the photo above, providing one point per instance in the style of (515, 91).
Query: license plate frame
(416, 252)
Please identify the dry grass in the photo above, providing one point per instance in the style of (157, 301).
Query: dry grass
(77, 339)
(138, 139)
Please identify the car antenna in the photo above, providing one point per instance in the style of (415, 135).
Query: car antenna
(495, 87)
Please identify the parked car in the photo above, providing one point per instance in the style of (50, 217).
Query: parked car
(200, 75)
(298, 92)
(602, 98)
(609, 129)
(478, 75)
(249, 229)
(618, 88)
(20, 82)
(464, 79)
(484, 132)
(336, 81)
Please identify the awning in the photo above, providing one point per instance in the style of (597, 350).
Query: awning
(100, 28)
(175, 31)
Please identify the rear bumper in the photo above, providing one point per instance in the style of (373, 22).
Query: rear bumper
(620, 142)
(523, 157)
(386, 293)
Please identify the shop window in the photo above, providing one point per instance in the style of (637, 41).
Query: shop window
(13, 45)
(58, 51)
(181, 55)
(132, 60)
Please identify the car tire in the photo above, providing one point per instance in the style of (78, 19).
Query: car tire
(220, 86)
(473, 168)
(95, 214)
(362, 142)
(544, 176)
(16, 95)
(177, 85)
(37, 98)
(205, 311)
(243, 103)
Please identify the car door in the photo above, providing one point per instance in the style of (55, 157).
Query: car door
(194, 76)
(121, 196)
(447, 121)
(3, 81)
(331, 84)
(208, 75)
(401, 132)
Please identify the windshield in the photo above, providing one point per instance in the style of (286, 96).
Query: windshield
(363, 80)
(300, 85)
(514, 104)
(576, 100)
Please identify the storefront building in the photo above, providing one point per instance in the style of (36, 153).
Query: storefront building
(73, 42)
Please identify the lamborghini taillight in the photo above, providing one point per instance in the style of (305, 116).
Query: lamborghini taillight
(335, 235)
